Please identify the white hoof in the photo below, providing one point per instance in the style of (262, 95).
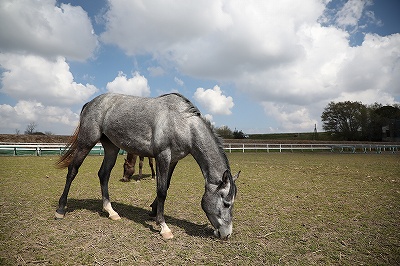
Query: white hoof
(115, 217)
(167, 235)
(58, 216)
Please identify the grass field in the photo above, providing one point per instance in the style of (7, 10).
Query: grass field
(291, 209)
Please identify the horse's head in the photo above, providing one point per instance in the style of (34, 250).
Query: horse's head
(129, 170)
(217, 203)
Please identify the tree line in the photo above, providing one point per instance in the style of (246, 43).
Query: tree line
(342, 120)
(356, 121)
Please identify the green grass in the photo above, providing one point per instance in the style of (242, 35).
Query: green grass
(291, 209)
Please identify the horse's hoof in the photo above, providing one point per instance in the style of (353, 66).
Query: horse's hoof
(125, 180)
(167, 235)
(114, 217)
(59, 216)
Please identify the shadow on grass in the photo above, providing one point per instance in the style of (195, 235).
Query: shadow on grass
(138, 215)
(137, 178)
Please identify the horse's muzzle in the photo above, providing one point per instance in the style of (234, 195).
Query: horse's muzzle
(224, 232)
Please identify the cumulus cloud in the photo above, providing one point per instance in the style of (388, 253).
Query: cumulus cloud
(36, 38)
(30, 77)
(155, 29)
(42, 28)
(295, 55)
(291, 118)
(214, 101)
(291, 57)
(137, 85)
(50, 118)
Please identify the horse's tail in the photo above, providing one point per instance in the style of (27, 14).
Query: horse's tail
(72, 144)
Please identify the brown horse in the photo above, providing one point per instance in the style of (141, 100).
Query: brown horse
(129, 167)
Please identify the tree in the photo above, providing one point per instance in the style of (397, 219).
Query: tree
(30, 129)
(224, 132)
(346, 120)
(238, 134)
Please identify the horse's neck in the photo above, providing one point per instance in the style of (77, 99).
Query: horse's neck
(209, 156)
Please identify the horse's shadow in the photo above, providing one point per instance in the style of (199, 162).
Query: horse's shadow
(137, 178)
(139, 215)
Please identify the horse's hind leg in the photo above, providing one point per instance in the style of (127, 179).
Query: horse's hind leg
(141, 158)
(153, 174)
(110, 156)
(80, 155)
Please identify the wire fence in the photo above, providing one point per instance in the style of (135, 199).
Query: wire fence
(41, 149)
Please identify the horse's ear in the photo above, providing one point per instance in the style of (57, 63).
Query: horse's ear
(236, 176)
(225, 179)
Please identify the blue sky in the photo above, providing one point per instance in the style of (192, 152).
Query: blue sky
(257, 66)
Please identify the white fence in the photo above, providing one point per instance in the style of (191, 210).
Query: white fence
(352, 148)
(40, 149)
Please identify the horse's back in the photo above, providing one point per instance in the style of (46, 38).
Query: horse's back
(139, 124)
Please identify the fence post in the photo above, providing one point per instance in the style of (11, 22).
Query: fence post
(243, 148)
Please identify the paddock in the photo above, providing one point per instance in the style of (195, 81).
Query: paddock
(308, 208)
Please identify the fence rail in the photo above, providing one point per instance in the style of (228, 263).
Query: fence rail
(40, 149)
(348, 148)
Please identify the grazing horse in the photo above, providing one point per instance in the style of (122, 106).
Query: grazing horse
(166, 128)
(129, 167)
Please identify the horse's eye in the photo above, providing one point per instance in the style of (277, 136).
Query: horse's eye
(226, 204)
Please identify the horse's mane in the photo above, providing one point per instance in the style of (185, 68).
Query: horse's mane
(193, 110)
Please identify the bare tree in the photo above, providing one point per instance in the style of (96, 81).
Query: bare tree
(30, 129)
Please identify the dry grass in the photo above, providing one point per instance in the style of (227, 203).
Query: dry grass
(292, 209)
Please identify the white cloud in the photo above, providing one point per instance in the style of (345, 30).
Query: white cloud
(48, 118)
(214, 101)
(276, 52)
(291, 118)
(42, 28)
(372, 66)
(179, 81)
(29, 77)
(137, 85)
(155, 29)
(156, 71)
(351, 13)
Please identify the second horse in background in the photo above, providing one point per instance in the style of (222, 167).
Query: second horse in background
(129, 167)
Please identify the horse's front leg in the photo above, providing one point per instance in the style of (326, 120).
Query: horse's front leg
(164, 173)
(110, 157)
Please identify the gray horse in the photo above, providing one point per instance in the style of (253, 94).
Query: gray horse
(166, 128)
